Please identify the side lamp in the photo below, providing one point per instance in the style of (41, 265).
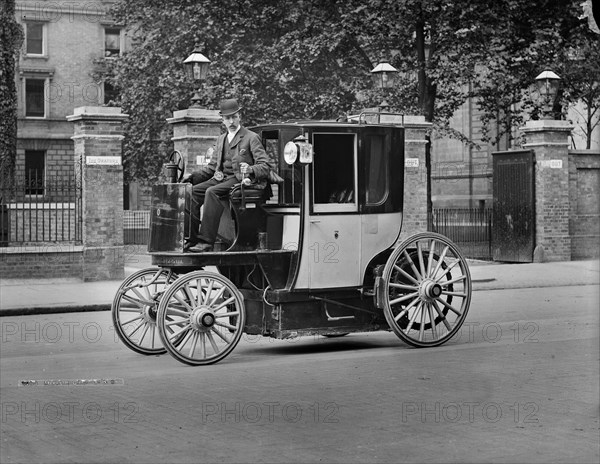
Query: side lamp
(547, 84)
(383, 78)
(196, 69)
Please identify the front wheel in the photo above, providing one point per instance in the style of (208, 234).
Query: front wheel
(201, 318)
(426, 290)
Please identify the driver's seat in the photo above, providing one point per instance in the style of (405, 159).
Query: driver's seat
(246, 216)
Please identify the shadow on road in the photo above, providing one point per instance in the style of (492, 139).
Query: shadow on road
(320, 344)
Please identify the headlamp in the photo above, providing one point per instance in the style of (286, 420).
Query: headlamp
(299, 147)
(290, 153)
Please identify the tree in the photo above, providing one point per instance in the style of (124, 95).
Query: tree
(277, 72)
(580, 68)
(311, 59)
(11, 37)
(548, 34)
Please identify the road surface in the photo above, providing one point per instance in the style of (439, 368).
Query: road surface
(519, 384)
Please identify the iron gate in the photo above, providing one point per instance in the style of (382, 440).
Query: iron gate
(513, 234)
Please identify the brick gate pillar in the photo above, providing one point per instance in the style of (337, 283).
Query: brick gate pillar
(194, 131)
(98, 166)
(549, 139)
(415, 176)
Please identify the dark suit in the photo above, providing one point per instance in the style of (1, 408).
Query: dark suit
(246, 147)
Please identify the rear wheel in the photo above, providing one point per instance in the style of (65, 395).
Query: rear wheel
(426, 290)
(201, 318)
(135, 306)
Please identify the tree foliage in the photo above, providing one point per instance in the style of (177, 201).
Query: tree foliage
(11, 37)
(287, 59)
(535, 36)
(579, 66)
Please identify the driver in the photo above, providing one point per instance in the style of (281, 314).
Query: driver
(239, 156)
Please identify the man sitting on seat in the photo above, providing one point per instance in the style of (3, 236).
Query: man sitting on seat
(239, 156)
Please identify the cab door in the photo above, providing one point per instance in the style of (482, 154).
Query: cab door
(331, 245)
(381, 181)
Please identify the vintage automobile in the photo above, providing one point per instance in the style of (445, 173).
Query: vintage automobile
(316, 253)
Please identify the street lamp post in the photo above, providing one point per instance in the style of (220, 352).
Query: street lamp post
(547, 84)
(196, 69)
(383, 77)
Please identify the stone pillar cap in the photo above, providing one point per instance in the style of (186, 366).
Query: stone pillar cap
(194, 115)
(412, 119)
(547, 125)
(97, 112)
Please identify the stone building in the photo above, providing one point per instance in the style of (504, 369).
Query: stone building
(54, 76)
(462, 175)
(62, 215)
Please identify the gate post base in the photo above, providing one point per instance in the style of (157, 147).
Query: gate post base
(103, 263)
(539, 255)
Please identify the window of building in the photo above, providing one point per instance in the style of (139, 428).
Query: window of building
(35, 170)
(34, 98)
(112, 42)
(111, 95)
(34, 38)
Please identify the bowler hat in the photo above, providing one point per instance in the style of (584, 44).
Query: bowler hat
(229, 107)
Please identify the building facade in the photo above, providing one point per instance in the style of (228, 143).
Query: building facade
(54, 75)
(461, 175)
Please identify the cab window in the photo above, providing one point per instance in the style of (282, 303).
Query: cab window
(334, 172)
(377, 172)
(288, 193)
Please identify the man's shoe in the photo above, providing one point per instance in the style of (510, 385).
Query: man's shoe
(200, 247)
(188, 244)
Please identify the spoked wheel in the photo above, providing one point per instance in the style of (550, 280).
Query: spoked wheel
(135, 307)
(201, 318)
(177, 159)
(426, 290)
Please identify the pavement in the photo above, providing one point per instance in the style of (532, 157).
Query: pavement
(60, 295)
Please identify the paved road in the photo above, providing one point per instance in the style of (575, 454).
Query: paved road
(521, 384)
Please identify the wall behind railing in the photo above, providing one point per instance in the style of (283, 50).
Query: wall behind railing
(46, 222)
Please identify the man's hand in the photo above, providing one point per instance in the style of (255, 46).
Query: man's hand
(244, 168)
(187, 177)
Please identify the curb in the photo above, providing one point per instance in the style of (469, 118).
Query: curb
(56, 309)
(36, 310)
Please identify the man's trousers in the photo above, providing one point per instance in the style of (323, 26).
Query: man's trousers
(208, 193)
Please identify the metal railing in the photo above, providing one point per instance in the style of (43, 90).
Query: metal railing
(40, 209)
(136, 227)
(469, 228)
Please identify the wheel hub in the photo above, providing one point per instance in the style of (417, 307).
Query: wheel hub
(430, 290)
(149, 313)
(202, 318)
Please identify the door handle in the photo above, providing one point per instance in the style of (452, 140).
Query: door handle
(315, 221)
